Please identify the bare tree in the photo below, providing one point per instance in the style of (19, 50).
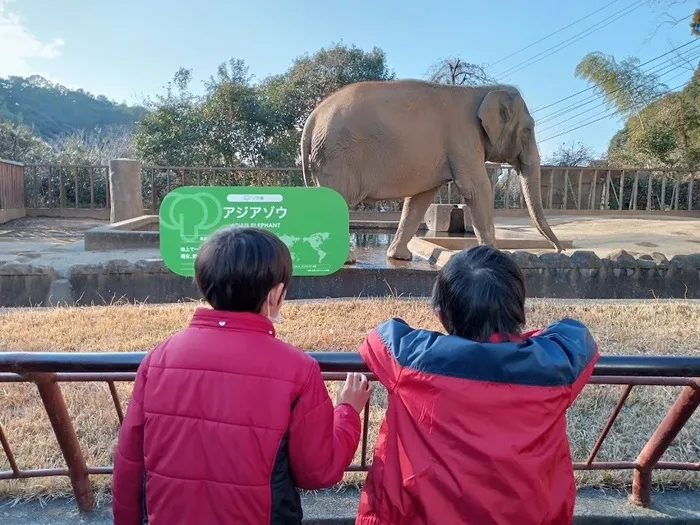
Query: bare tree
(576, 154)
(97, 147)
(457, 72)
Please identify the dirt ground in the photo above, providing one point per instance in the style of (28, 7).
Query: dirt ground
(48, 230)
(671, 327)
(635, 234)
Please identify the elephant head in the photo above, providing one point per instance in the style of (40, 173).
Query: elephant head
(510, 137)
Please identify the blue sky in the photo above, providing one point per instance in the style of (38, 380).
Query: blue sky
(129, 49)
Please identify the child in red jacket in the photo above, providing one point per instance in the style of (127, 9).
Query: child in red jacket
(226, 420)
(475, 429)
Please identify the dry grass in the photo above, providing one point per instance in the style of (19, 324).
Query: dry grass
(650, 328)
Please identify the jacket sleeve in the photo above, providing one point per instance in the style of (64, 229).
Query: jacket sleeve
(379, 359)
(585, 375)
(580, 350)
(322, 440)
(127, 488)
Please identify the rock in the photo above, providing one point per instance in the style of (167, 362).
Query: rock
(555, 260)
(119, 266)
(27, 269)
(151, 266)
(685, 262)
(660, 259)
(694, 260)
(85, 269)
(525, 259)
(622, 259)
(585, 259)
(646, 261)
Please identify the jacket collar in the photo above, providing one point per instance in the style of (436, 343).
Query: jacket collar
(240, 321)
(512, 338)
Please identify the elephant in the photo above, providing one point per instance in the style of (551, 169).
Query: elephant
(404, 139)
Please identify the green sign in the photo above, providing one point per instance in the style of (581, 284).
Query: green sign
(313, 222)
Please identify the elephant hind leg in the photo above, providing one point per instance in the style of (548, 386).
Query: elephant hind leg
(414, 209)
(342, 178)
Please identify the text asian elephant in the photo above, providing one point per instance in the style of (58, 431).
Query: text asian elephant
(403, 139)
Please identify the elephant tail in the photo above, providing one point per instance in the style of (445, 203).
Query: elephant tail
(306, 135)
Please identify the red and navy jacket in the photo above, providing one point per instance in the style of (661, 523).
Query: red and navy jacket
(475, 432)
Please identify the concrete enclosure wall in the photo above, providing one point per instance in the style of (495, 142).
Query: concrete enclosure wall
(583, 275)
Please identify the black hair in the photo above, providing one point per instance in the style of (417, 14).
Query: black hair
(236, 268)
(480, 292)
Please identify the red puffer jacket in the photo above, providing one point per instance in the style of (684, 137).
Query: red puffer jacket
(475, 433)
(225, 421)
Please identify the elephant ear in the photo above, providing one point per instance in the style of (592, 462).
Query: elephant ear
(494, 112)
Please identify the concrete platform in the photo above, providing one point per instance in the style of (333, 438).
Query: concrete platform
(339, 508)
(437, 247)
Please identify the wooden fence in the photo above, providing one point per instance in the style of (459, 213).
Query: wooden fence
(11, 191)
(11, 185)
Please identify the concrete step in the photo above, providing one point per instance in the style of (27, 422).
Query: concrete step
(338, 508)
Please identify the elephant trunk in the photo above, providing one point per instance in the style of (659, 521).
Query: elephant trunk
(530, 177)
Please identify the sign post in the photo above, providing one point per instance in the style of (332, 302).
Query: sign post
(313, 222)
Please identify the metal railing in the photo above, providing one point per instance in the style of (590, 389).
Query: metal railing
(47, 370)
(598, 190)
(66, 187)
(158, 181)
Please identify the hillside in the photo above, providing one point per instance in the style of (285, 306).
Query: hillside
(53, 110)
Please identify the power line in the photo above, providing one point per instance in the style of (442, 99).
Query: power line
(595, 96)
(572, 107)
(634, 6)
(540, 108)
(599, 119)
(606, 115)
(573, 117)
(586, 111)
(554, 33)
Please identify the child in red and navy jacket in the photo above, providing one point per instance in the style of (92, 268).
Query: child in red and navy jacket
(475, 430)
(226, 420)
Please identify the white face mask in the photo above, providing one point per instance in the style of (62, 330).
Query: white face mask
(275, 319)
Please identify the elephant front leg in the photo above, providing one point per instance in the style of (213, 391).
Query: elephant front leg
(412, 215)
(478, 195)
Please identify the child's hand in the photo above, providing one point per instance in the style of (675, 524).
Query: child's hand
(355, 391)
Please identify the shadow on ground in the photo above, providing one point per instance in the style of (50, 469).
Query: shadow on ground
(338, 508)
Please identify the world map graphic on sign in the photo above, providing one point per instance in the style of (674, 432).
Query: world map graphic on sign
(315, 241)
